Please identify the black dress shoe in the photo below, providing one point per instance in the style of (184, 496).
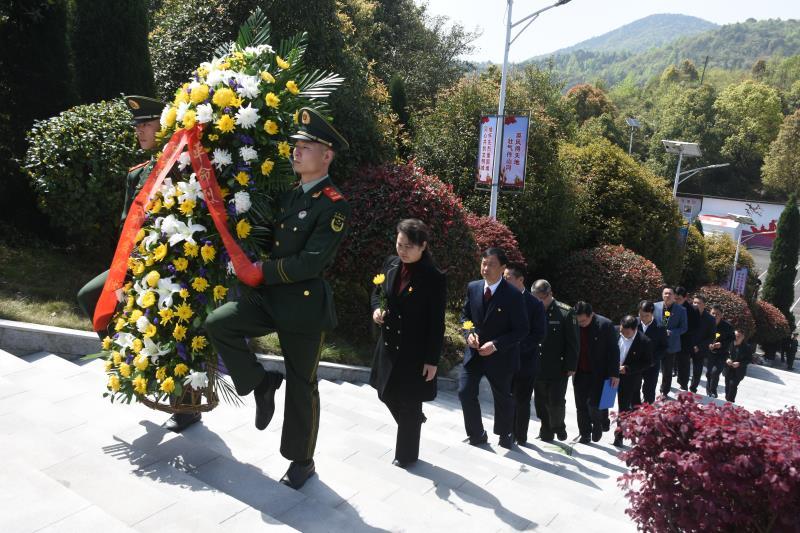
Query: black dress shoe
(545, 436)
(480, 439)
(606, 425)
(298, 474)
(585, 439)
(561, 434)
(180, 421)
(618, 441)
(506, 441)
(403, 464)
(693, 390)
(265, 398)
(597, 435)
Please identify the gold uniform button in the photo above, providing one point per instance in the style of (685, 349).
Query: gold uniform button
(306, 293)
(281, 226)
(277, 243)
(295, 228)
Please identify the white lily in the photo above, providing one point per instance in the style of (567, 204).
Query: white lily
(153, 350)
(184, 160)
(178, 230)
(124, 341)
(166, 290)
(196, 380)
(190, 190)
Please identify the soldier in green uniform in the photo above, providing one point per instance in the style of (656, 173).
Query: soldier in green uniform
(559, 360)
(294, 300)
(146, 113)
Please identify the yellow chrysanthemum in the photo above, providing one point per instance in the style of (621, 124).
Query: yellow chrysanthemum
(137, 345)
(224, 191)
(119, 325)
(271, 127)
(137, 267)
(108, 365)
(284, 149)
(139, 385)
(166, 315)
(236, 102)
(200, 284)
(242, 178)
(148, 299)
(202, 72)
(125, 370)
(150, 331)
(184, 293)
(135, 315)
(181, 370)
(169, 118)
(220, 292)
(168, 386)
(468, 325)
(179, 333)
(180, 264)
(187, 207)
(223, 97)
(141, 362)
(148, 261)
(213, 137)
(243, 229)
(169, 202)
(198, 95)
(130, 303)
(161, 373)
(189, 119)
(208, 252)
(272, 100)
(140, 235)
(379, 279)
(152, 278)
(106, 342)
(226, 124)
(267, 166)
(190, 249)
(198, 343)
(292, 87)
(297, 117)
(116, 357)
(113, 383)
(180, 98)
(267, 77)
(160, 252)
(282, 63)
(184, 312)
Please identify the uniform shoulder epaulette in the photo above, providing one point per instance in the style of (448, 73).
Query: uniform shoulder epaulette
(563, 306)
(140, 165)
(332, 193)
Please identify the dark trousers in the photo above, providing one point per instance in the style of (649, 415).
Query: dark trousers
(733, 376)
(698, 360)
(667, 364)
(550, 400)
(468, 388)
(716, 364)
(522, 391)
(790, 355)
(650, 380)
(229, 326)
(683, 359)
(90, 294)
(408, 415)
(590, 418)
(628, 395)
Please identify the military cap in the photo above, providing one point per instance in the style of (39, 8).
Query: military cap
(144, 108)
(314, 127)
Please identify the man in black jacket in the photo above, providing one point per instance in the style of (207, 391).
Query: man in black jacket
(688, 339)
(704, 336)
(598, 360)
(635, 356)
(649, 327)
(736, 365)
(499, 321)
(720, 349)
(522, 385)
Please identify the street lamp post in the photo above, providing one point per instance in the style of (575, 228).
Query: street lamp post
(742, 220)
(633, 123)
(682, 149)
(498, 145)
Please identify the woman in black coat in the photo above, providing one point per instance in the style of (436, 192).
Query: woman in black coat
(409, 307)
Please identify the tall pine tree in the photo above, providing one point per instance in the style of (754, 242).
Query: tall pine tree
(109, 46)
(779, 285)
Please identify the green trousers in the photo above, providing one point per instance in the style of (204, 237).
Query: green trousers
(89, 294)
(229, 326)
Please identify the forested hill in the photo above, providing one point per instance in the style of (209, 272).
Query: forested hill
(730, 47)
(648, 32)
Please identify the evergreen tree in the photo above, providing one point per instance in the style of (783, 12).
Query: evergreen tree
(109, 45)
(397, 92)
(779, 285)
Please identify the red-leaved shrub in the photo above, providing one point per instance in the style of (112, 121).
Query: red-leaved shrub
(734, 308)
(771, 324)
(611, 278)
(489, 232)
(712, 468)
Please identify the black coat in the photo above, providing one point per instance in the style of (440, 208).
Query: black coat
(688, 339)
(658, 337)
(504, 321)
(726, 337)
(537, 329)
(603, 348)
(640, 355)
(705, 332)
(412, 333)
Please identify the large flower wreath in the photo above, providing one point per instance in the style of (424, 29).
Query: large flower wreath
(235, 115)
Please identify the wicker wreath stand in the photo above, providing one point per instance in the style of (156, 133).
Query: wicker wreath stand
(191, 401)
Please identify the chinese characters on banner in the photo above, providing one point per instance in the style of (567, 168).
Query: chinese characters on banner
(740, 280)
(513, 153)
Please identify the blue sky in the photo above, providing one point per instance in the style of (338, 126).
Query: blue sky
(582, 19)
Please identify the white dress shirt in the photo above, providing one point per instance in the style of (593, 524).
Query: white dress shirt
(491, 287)
(624, 346)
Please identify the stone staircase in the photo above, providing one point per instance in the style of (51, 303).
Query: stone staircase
(74, 462)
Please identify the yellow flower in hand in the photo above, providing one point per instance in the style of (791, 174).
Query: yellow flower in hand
(107, 342)
(243, 229)
(272, 100)
(292, 87)
(139, 385)
(717, 336)
(667, 314)
(468, 325)
(379, 279)
(179, 333)
(271, 127)
(198, 343)
(168, 386)
(282, 63)
(181, 370)
(113, 383)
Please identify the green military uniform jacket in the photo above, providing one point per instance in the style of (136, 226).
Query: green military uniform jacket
(308, 229)
(559, 351)
(137, 176)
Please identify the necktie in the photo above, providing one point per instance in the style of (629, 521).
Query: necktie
(405, 278)
(487, 294)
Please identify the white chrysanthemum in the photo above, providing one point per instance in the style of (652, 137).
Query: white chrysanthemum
(215, 77)
(242, 202)
(258, 50)
(248, 153)
(248, 86)
(247, 117)
(183, 107)
(190, 190)
(184, 160)
(163, 119)
(221, 158)
(196, 380)
(205, 113)
(142, 323)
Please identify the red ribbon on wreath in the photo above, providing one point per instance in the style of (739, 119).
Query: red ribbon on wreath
(245, 270)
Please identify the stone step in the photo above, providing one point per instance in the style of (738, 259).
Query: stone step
(10, 363)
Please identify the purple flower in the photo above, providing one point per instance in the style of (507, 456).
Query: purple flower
(155, 321)
(227, 110)
(171, 269)
(202, 271)
(147, 313)
(202, 204)
(201, 299)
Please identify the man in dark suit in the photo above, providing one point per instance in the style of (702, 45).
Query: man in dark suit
(497, 312)
(736, 365)
(720, 349)
(598, 360)
(522, 385)
(704, 336)
(649, 327)
(635, 356)
(688, 339)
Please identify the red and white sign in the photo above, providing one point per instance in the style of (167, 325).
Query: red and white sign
(513, 152)
(488, 133)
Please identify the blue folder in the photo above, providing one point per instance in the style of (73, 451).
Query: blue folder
(608, 396)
